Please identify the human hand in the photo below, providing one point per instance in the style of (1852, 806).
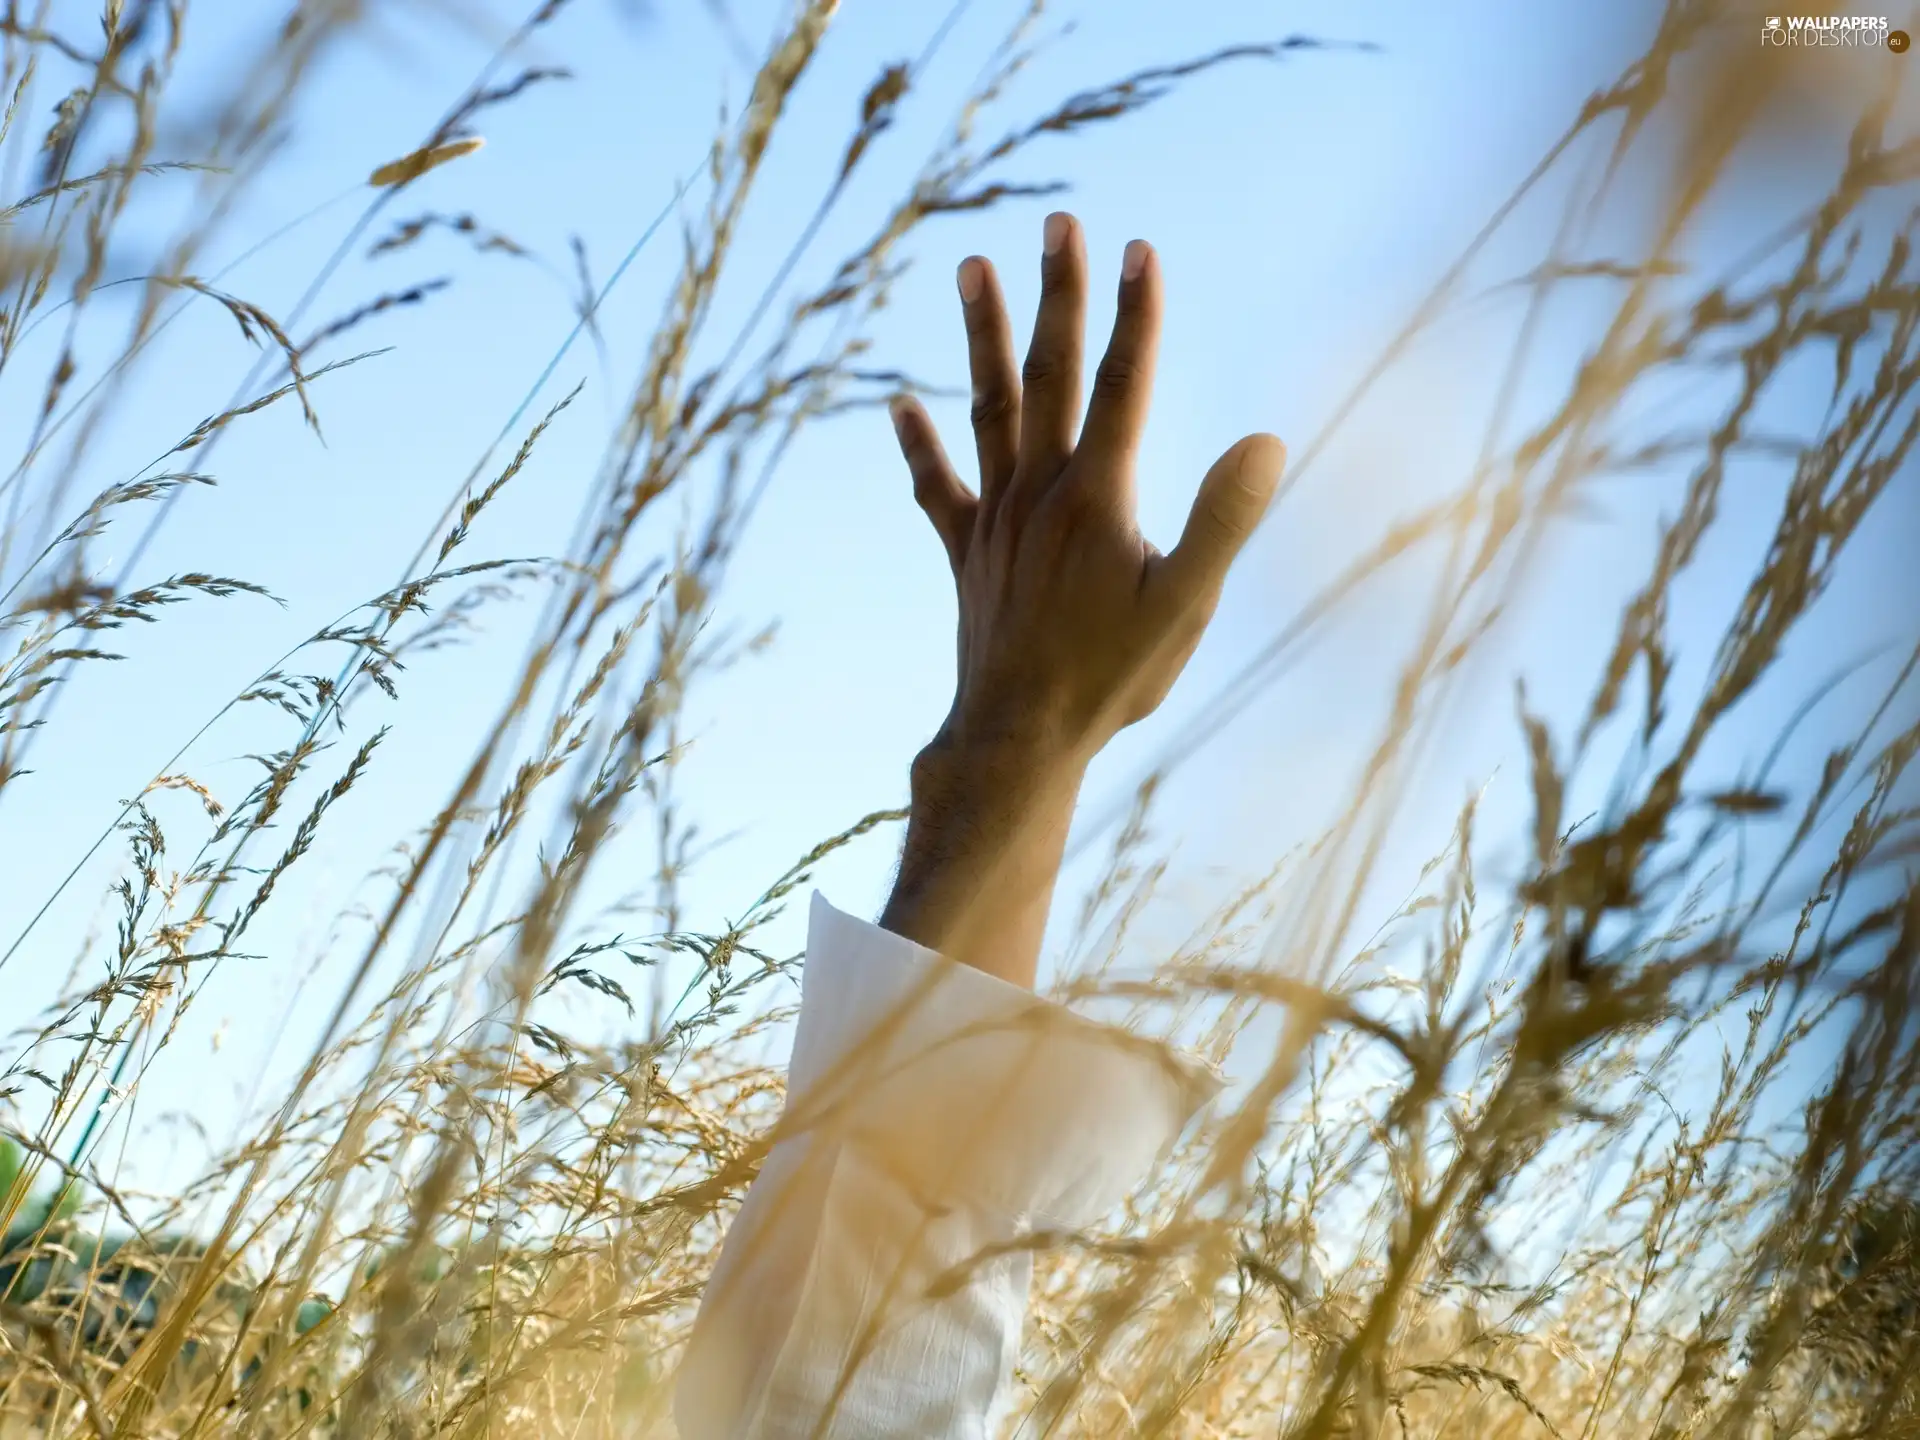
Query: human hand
(1072, 626)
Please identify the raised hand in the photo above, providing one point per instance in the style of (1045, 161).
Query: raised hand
(1071, 624)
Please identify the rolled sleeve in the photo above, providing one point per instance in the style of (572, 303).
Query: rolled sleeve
(873, 1282)
(974, 1089)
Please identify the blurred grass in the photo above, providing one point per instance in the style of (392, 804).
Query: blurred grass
(1541, 1158)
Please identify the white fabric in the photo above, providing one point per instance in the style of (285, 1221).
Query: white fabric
(873, 1283)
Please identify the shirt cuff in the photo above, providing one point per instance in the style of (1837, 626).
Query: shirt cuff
(972, 1090)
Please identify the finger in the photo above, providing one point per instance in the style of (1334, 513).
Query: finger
(1233, 497)
(949, 503)
(1050, 381)
(996, 382)
(1123, 383)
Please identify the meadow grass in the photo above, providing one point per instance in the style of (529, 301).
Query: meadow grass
(1451, 1196)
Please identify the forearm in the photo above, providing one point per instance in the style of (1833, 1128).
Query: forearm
(985, 837)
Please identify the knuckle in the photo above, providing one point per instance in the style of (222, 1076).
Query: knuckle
(928, 492)
(991, 407)
(1116, 378)
(1222, 523)
(1040, 370)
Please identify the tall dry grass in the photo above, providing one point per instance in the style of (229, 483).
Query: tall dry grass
(1454, 1196)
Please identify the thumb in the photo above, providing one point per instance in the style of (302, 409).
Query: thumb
(1232, 499)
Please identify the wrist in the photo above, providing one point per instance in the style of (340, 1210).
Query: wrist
(995, 776)
(985, 835)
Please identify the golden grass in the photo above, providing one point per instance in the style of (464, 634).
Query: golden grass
(462, 1220)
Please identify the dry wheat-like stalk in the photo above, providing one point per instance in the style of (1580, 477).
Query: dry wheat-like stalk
(1626, 1148)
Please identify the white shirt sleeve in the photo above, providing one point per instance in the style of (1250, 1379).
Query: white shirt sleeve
(873, 1283)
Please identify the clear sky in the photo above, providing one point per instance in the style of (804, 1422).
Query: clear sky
(1301, 209)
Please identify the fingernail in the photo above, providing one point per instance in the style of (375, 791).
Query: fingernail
(972, 278)
(897, 408)
(1055, 234)
(1134, 261)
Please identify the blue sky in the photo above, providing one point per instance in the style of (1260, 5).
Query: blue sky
(1301, 209)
